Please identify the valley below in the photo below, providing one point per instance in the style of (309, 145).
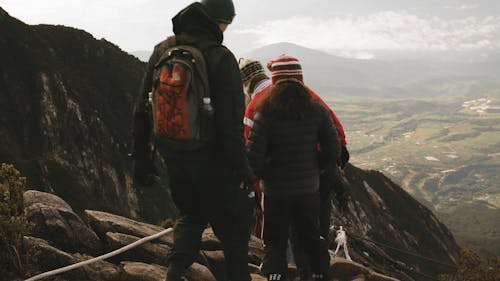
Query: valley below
(444, 150)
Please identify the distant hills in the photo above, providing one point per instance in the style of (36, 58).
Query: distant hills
(379, 78)
(375, 78)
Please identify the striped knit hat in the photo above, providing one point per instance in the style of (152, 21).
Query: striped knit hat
(249, 69)
(285, 68)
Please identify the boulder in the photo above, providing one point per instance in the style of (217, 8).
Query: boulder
(53, 219)
(216, 263)
(198, 272)
(41, 257)
(100, 270)
(346, 270)
(136, 271)
(103, 223)
(342, 269)
(149, 252)
(209, 241)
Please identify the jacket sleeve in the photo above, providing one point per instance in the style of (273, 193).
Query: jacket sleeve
(329, 140)
(336, 121)
(143, 125)
(248, 121)
(229, 104)
(257, 144)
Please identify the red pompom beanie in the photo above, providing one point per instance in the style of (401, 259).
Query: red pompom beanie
(285, 68)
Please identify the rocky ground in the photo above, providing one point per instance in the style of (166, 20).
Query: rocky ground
(59, 237)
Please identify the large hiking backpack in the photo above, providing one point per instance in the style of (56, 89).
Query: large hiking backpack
(182, 109)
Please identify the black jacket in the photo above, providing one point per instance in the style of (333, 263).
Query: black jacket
(193, 26)
(284, 153)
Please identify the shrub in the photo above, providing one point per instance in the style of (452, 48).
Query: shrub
(12, 225)
(472, 268)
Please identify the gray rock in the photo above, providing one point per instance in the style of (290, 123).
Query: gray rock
(216, 263)
(53, 220)
(150, 252)
(136, 271)
(31, 197)
(198, 272)
(346, 270)
(100, 270)
(41, 257)
(103, 223)
(209, 241)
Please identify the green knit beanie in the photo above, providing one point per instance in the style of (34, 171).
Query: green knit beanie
(220, 10)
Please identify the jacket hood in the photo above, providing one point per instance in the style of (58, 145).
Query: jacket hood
(194, 21)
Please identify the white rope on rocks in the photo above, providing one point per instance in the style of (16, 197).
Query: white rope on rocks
(100, 258)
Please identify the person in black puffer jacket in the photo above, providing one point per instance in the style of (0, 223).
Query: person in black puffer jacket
(283, 151)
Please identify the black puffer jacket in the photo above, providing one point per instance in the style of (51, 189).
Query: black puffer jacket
(193, 26)
(284, 153)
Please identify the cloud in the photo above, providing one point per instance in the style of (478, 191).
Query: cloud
(463, 7)
(388, 30)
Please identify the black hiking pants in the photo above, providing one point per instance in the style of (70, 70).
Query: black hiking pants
(303, 212)
(205, 193)
(329, 184)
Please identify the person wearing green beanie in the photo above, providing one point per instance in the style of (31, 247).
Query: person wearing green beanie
(209, 184)
(220, 10)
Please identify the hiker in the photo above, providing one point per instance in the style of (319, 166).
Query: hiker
(256, 85)
(282, 150)
(204, 148)
(255, 81)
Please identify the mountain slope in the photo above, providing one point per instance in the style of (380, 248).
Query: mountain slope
(66, 104)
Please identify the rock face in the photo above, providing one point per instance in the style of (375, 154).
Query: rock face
(66, 102)
(388, 228)
(144, 263)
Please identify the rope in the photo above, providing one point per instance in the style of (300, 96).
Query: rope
(103, 257)
(407, 252)
(404, 266)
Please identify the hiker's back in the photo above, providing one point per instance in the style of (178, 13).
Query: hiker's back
(293, 166)
(181, 102)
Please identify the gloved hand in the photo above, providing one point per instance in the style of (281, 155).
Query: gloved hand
(246, 178)
(344, 157)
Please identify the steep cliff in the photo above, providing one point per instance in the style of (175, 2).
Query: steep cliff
(66, 104)
(390, 229)
(66, 107)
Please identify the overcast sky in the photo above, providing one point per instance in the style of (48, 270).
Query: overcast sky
(354, 28)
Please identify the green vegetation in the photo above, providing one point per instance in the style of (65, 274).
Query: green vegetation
(445, 151)
(12, 226)
(472, 268)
